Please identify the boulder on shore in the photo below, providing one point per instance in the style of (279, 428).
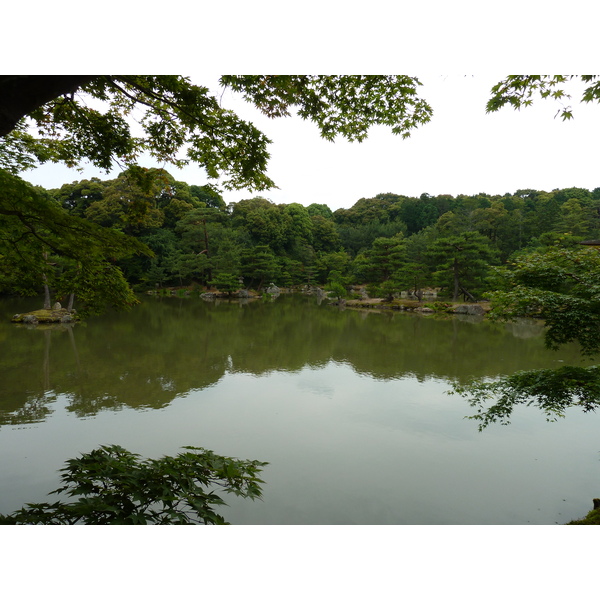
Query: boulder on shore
(469, 309)
(273, 290)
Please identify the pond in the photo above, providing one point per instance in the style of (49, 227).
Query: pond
(349, 408)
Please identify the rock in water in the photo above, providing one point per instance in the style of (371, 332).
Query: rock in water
(469, 309)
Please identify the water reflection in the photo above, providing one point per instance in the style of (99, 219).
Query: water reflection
(168, 347)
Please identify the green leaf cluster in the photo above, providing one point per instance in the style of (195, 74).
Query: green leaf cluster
(559, 285)
(346, 105)
(462, 262)
(551, 390)
(520, 90)
(40, 241)
(113, 486)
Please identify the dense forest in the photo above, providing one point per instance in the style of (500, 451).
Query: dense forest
(189, 236)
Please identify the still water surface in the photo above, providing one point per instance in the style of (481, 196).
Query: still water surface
(349, 408)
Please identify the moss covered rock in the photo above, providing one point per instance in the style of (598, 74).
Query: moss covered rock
(59, 315)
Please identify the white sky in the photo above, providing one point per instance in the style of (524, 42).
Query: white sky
(462, 150)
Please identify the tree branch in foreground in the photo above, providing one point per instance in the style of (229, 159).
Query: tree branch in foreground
(551, 390)
(114, 487)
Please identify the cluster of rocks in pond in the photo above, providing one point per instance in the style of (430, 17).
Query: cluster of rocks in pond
(244, 294)
(406, 302)
(313, 290)
(470, 310)
(56, 314)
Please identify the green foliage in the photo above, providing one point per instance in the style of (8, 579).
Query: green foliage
(179, 123)
(321, 210)
(551, 390)
(209, 195)
(413, 277)
(419, 213)
(226, 282)
(439, 306)
(336, 285)
(520, 90)
(76, 197)
(96, 286)
(462, 263)
(383, 262)
(325, 236)
(575, 219)
(329, 262)
(386, 256)
(592, 518)
(188, 266)
(114, 487)
(562, 286)
(258, 265)
(339, 105)
(337, 289)
(194, 238)
(19, 152)
(559, 285)
(42, 242)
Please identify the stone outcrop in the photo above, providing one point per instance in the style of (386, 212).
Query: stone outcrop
(313, 290)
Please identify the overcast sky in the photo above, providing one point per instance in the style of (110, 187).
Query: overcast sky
(462, 150)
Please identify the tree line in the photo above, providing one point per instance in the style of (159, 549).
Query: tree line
(187, 235)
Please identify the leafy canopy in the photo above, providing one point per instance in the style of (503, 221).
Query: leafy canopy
(180, 122)
(347, 105)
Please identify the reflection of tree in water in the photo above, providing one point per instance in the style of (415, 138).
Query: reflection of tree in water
(165, 348)
(36, 407)
(34, 410)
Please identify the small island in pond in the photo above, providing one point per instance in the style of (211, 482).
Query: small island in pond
(57, 314)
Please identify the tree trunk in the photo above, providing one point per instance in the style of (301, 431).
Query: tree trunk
(47, 305)
(71, 300)
(46, 288)
(20, 94)
(209, 270)
(456, 281)
(468, 294)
